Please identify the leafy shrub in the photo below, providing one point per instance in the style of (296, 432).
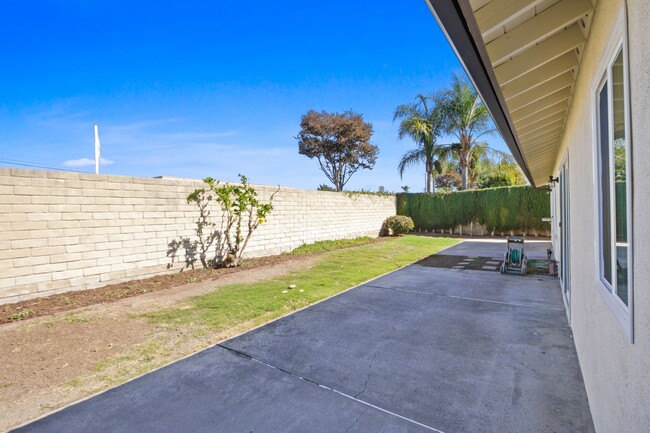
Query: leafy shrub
(324, 187)
(398, 225)
(242, 212)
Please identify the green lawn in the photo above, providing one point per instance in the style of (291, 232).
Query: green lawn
(322, 246)
(338, 270)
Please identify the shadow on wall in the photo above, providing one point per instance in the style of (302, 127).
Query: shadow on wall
(241, 213)
(198, 249)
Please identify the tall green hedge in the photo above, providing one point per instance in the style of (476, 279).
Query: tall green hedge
(517, 208)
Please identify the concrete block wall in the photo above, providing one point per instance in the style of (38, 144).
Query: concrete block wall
(70, 231)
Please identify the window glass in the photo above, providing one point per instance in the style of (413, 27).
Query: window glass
(603, 123)
(619, 153)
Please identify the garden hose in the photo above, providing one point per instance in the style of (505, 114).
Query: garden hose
(515, 256)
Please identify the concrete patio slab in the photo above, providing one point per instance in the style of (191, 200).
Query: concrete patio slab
(420, 349)
(528, 290)
(457, 365)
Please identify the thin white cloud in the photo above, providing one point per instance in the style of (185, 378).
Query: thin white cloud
(86, 162)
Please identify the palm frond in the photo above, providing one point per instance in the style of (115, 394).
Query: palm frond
(410, 158)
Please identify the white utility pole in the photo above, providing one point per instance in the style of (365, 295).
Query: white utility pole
(97, 150)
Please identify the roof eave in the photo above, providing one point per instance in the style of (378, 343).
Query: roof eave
(456, 19)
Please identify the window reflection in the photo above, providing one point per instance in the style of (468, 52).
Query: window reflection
(619, 153)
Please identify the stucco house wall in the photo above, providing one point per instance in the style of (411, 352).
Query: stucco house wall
(616, 369)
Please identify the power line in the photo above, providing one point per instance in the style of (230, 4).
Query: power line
(36, 165)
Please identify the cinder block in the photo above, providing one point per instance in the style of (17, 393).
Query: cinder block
(119, 222)
(96, 270)
(45, 199)
(154, 227)
(111, 201)
(121, 267)
(80, 247)
(103, 246)
(92, 223)
(86, 282)
(106, 230)
(133, 273)
(119, 237)
(87, 255)
(122, 194)
(93, 239)
(46, 233)
(64, 240)
(28, 243)
(30, 190)
(110, 261)
(120, 208)
(28, 261)
(66, 275)
(49, 268)
(76, 216)
(27, 207)
(6, 283)
(141, 236)
(15, 199)
(66, 191)
(134, 258)
(132, 215)
(149, 262)
(64, 258)
(43, 216)
(33, 279)
(50, 286)
(16, 290)
(46, 251)
(82, 264)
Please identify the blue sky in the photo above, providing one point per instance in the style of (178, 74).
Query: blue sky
(211, 88)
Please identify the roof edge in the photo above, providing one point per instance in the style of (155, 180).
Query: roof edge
(456, 20)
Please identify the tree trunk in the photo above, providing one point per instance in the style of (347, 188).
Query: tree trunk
(463, 174)
(464, 164)
(430, 186)
(231, 260)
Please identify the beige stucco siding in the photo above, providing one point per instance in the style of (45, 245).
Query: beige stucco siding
(616, 371)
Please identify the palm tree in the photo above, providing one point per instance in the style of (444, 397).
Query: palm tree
(482, 160)
(422, 122)
(465, 117)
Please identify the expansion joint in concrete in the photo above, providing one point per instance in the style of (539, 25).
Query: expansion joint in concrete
(419, 292)
(341, 393)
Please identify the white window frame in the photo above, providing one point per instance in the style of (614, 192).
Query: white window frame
(617, 43)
